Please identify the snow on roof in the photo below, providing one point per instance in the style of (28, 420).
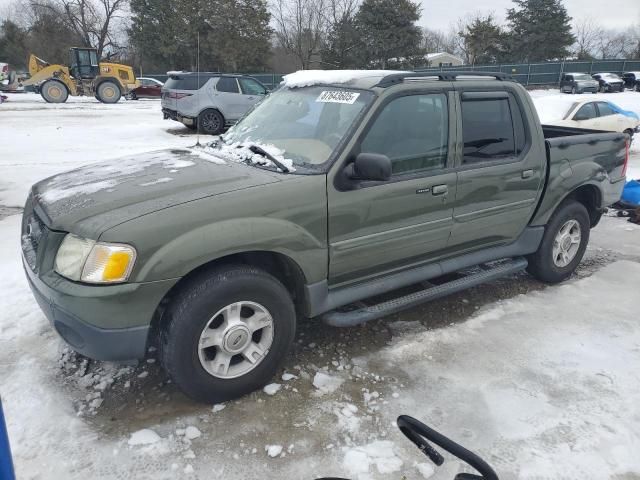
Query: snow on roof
(305, 78)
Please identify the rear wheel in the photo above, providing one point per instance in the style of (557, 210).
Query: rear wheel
(131, 96)
(54, 91)
(573, 90)
(108, 92)
(563, 245)
(227, 332)
(210, 122)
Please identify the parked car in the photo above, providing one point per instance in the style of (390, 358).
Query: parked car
(609, 82)
(211, 101)
(632, 80)
(149, 88)
(338, 187)
(578, 83)
(597, 115)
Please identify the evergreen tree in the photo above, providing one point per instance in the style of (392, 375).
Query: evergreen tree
(343, 45)
(13, 49)
(388, 31)
(234, 34)
(539, 30)
(483, 40)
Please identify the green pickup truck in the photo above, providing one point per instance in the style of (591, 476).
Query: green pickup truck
(338, 187)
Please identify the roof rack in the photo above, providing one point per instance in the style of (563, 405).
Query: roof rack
(396, 78)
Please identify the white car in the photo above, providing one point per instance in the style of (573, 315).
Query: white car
(589, 114)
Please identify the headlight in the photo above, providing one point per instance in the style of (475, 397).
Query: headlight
(85, 260)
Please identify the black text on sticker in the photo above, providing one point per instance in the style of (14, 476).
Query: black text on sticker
(337, 96)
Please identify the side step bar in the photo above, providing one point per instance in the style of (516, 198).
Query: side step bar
(356, 317)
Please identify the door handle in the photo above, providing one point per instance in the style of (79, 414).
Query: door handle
(527, 173)
(439, 189)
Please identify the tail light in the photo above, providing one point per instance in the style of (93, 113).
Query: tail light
(178, 96)
(626, 156)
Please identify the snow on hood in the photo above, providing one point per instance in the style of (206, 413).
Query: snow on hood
(306, 78)
(104, 176)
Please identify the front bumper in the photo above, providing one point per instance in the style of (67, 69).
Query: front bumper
(101, 322)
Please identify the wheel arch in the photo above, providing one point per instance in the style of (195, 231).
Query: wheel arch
(217, 109)
(281, 266)
(588, 195)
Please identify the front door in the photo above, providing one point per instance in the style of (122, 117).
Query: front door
(500, 170)
(375, 226)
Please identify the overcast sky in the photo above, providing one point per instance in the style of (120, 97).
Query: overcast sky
(441, 14)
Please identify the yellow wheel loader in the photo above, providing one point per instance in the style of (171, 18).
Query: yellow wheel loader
(85, 76)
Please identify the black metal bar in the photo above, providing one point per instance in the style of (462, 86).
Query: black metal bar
(395, 78)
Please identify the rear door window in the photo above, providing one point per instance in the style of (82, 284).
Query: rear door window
(227, 84)
(488, 130)
(605, 109)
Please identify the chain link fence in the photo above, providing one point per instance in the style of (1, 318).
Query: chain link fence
(547, 73)
(529, 74)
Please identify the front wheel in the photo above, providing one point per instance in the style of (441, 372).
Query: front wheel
(227, 332)
(54, 91)
(563, 244)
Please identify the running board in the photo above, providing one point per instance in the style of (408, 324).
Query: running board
(356, 317)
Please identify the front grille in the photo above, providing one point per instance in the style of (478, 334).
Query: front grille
(33, 237)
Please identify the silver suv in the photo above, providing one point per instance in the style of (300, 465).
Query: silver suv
(209, 101)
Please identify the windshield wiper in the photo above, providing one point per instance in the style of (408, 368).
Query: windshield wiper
(261, 151)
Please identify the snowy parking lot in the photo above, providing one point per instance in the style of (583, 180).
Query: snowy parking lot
(543, 382)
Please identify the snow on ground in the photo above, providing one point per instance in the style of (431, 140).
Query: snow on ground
(41, 139)
(542, 381)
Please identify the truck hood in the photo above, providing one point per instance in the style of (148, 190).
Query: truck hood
(92, 199)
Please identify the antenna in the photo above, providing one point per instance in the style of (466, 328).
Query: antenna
(198, 96)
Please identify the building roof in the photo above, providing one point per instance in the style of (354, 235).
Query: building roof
(436, 55)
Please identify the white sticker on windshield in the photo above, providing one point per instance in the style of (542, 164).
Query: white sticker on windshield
(337, 96)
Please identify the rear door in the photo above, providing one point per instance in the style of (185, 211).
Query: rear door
(500, 169)
(610, 120)
(376, 226)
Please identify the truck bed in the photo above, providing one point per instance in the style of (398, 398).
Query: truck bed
(591, 158)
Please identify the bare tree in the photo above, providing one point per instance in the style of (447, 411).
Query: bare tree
(588, 34)
(434, 41)
(93, 21)
(300, 28)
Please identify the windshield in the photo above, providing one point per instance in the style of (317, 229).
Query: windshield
(581, 76)
(304, 124)
(611, 75)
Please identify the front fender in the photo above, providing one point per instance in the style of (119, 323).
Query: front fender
(195, 248)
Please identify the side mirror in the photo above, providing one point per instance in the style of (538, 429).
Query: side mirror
(370, 166)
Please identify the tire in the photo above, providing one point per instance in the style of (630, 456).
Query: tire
(108, 92)
(54, 91)
(573, 90)
(200, 310)
(542, 264)
(210, 122)
(131, 96)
